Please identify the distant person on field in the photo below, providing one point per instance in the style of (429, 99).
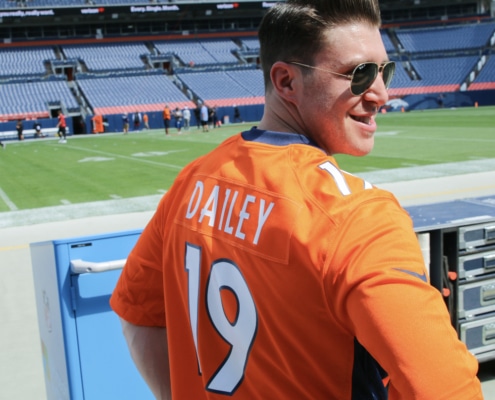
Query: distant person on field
(146, 121)
(20, 129)
(197, 115)
(212, 118)
(440, 100)
(166, 118)
(37, 130)
(237, 114)
(137, 120)
(186, 114)
(178, 119)
(62, 127)
(98, 124)
(204, 116)
(125, 122)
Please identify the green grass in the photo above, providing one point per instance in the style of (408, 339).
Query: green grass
(43, 173)
(428, 137)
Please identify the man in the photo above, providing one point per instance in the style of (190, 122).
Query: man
(98, 123)
(37, 130)
(62, 127)
(166, 118)
(178, 119)
(237, 114)
(20, 129)
(125, 123)
(204, 117)
(146, 121)
(197, 113)
(268, 272)
(137, 120)
(187, 117)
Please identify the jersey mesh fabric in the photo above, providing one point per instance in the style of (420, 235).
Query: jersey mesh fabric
(269, 263)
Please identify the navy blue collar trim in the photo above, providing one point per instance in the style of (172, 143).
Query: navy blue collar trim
(276, 138)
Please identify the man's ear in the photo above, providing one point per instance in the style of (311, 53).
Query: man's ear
(286, 80)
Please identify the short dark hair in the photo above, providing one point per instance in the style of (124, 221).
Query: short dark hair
(294, 30)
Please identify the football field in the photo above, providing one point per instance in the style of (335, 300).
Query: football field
(90, 168)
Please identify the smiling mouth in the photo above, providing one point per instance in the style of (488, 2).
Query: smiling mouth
(364, 120)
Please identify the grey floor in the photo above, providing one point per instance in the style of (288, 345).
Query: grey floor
(21, 369)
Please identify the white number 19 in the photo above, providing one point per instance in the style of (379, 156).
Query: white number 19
(240, 334)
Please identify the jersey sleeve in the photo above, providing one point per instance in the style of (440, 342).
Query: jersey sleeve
(138, 296)
(384, 298)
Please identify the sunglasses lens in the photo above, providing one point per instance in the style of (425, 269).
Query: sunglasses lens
(388, 73)
(363, 77)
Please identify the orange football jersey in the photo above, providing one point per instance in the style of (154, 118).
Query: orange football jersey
(279, 276)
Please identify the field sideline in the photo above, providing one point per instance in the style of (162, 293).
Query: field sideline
(110, 169)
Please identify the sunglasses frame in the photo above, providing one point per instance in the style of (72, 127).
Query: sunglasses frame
(380, 69)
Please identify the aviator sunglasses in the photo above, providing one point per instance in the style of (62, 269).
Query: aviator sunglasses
(363, 75)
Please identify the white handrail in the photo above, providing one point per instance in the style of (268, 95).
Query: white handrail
(83, 267)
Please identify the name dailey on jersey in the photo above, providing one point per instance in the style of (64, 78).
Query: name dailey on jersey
(229, 210)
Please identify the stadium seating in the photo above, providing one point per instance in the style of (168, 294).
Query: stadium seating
(251, 43)
(225, 88)
(108, 57)
(446, 38)
(24, 62)
(129, 93)
(389, 46)
(200, 53)
(30, 99)
(434, 75)
(5, 4)
(63, 3)
(117, 77)
(221, 50)
(486, 78)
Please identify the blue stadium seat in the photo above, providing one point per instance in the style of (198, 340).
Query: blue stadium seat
(217, 85)
(487, 74)
(444, 71)
(389, 46)
(445, 38)
(108, 57)
(197, 52)
(25, 61)
(32, 98)
(251, 43)
(130, 90)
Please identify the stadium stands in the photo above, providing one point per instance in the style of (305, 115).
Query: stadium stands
(225, 88)
(117, 78)
(108, 57)
(200, 53)
(251, 43)
(439, 59)
(32, 99)
(24, 62)
(62, 3)
(433, 75)
(486, 78)
(8, 4)
(446, 38)
(389, 46)
(124, 94)
(221, 50)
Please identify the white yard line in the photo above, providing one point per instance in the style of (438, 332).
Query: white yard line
(137, 159)
(7, 200)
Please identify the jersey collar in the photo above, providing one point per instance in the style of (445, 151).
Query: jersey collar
(276, 138)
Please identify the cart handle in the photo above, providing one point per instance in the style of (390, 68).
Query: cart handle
(82, 267)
